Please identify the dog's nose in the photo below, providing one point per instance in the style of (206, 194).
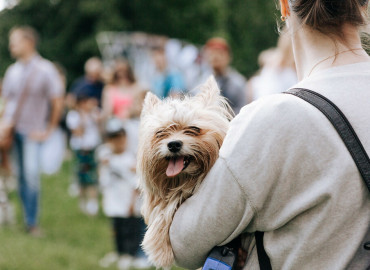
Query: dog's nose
(174, 146)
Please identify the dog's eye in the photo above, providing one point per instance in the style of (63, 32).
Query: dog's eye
(160, 134)
(192, 130)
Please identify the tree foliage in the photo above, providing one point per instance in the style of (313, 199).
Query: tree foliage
(68, 27)
(251, 26)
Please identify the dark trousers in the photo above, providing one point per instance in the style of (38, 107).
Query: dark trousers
(128, 234)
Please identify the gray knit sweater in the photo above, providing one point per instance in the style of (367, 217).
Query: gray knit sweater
(283, 169)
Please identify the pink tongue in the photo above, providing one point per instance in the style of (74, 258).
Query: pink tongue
(175, 166)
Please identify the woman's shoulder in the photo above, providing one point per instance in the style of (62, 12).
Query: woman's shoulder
(273, 120)
(275, 110)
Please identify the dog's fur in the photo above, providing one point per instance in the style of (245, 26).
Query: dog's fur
(200, 124)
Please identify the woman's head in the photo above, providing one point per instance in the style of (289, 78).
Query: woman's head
(328, 16)
(123, 71)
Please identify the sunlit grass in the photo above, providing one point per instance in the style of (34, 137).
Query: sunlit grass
(72, 240)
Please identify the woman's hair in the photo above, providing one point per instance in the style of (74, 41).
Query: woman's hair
(328, 16)
(123, 66)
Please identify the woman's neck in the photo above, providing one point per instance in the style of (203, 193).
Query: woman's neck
(125, 83)
(314, 51)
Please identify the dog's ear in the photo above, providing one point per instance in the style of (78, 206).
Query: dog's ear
(209, 92)
(150, 102)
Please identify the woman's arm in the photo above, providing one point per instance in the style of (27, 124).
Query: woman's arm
(107, 110)
(215, 215)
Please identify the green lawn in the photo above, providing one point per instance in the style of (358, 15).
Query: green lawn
(72, 240)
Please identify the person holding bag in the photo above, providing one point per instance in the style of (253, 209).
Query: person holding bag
(33, 93)
(285, 179)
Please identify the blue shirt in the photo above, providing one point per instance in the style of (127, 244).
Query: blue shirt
(88, 88)
(168, 82)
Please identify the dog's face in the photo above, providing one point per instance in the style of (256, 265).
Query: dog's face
(180, 138)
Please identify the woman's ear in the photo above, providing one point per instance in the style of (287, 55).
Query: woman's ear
(285, 9)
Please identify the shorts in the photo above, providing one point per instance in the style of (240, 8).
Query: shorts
(86, 167)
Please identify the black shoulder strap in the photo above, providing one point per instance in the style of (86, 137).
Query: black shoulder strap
(263, 258)
(343, 127)
(349, 137)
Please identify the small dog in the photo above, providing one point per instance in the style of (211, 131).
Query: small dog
(179, 143)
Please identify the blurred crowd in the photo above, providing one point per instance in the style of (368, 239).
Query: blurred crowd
(97, 118)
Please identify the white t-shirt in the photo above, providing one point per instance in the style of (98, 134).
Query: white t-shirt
(117, 182)
(90, 138)
(132, 128)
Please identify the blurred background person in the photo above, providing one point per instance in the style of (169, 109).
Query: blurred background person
(117, 179)
(166, 82)
(121, 94)
(84, 122)
(232, 84)
(91, 83)
(2, 100)
(5, 167)
(53, 149)
(63, 76)
(7, 183)
(277, 70)
(122, 99)
(33, 92)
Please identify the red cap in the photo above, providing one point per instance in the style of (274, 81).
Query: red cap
(217, 43)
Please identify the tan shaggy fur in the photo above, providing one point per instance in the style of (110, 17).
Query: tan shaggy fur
(200, 123)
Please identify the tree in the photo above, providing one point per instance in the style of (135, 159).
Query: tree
(69, 27)
(251, 27)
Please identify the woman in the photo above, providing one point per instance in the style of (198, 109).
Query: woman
(283, 169)
(119, 97)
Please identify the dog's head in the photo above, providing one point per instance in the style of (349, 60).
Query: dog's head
(180, 138)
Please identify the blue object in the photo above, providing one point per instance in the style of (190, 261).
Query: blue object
(168, 82)
(221, 258)
(214, 264)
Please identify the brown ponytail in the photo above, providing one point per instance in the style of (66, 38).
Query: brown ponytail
(328, 16)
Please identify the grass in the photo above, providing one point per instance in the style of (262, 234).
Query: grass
(72, 240)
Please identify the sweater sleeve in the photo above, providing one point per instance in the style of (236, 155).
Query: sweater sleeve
(209, 217)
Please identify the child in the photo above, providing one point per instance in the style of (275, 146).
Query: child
(84, 124)
(120, 199)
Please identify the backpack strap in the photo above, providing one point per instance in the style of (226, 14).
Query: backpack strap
(349, 137)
